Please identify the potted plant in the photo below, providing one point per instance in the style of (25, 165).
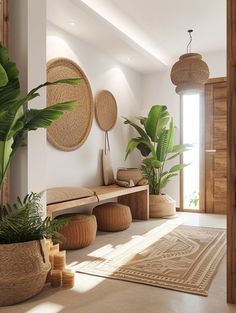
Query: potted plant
(156, 144)
(24, 263)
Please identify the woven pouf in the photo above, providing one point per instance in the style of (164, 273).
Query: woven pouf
(112, 216)
(79, 233)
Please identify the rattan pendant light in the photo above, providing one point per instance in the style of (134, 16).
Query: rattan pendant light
(190, 73)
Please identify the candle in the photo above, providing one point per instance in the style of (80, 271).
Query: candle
(56, 278)
(54, 248)
(60, 260)
(51, 260)
(68, 279)
(48, 243)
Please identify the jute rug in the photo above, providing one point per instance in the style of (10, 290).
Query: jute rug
(185, 259)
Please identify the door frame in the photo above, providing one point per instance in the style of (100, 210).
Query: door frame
(231, 141)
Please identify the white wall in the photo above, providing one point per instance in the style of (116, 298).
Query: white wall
(82, 167)
(158, 89)
(27, 47)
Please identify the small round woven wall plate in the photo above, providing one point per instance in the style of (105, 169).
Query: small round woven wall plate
(71, 131)
(105, 110)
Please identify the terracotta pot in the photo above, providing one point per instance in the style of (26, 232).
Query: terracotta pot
(23, 270)
(161, 206)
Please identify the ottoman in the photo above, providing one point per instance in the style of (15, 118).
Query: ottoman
(79, 233)
(112, 216)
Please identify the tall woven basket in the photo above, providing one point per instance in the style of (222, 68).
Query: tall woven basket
(23, 271)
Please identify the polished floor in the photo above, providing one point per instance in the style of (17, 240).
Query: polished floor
(99, 295)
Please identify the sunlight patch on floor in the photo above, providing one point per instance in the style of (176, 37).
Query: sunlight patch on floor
(122, 253)
(46, 307)
(89, 282)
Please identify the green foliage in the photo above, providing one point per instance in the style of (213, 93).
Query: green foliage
(194, 199)
(156, 144)
(24, 222)
(15, 118)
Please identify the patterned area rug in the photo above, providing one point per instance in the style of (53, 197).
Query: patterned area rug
(185, 259)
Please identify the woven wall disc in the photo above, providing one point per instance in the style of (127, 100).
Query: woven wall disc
(105, 110)
(71, 131)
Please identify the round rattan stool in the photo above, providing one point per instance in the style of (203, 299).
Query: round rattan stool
(79, 233)
(112, 216)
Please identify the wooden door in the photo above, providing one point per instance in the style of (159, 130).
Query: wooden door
(216, 146)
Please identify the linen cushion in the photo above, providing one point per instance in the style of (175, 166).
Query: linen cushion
(62, 194)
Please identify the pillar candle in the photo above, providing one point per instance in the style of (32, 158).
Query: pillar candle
(51, 260)
(54, 248)
(60, 260)
(68, 279)
(56, 278)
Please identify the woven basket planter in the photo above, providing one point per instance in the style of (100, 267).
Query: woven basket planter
(161, 206)
(23, 271)
(112, 216)
(127, 174)
(79, 233)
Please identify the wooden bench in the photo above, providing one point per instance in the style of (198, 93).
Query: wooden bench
(137, 198)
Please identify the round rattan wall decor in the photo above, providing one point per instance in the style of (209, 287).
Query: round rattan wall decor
(71, 131)
(105, 110)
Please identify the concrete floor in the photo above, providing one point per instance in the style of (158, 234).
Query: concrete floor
(99, 295)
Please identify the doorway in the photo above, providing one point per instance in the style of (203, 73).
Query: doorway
(204, 125)
(192, 177)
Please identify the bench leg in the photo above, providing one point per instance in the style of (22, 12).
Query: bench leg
(138, 203)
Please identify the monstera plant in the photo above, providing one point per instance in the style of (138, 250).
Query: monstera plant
(24, 265)
(156, 144)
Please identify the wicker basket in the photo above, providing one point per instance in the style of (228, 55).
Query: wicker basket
(127, 174)
(161, 206)
(112, 216)
(80, 232)
(23, 271)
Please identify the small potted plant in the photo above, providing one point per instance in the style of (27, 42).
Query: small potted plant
(156, 144)
(24, 262)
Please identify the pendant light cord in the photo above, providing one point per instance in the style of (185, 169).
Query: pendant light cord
(190, 41)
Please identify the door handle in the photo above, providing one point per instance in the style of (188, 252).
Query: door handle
(210, 151)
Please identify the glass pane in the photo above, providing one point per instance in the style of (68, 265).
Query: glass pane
(191, 135)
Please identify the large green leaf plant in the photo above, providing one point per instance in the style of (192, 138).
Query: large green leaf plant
(24, 220)
(15, 118)
(156, 144)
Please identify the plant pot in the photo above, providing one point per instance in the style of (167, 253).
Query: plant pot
(161, 206)
(23, 270)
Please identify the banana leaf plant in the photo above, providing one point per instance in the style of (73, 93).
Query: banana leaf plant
(156, 144)
(16, 119)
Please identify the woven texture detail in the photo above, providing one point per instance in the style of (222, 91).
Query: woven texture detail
(190, 73)
(161, 206)
(71, 131)
(79, 233)
(23, 271)
(105, 110)
(112, 216)
(127, 174)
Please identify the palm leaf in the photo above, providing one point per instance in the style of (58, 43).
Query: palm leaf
(23, 222)
(157, 119)
(178, 167)
(43, 118)
(139, 129)
(134, 142)
(165, 179)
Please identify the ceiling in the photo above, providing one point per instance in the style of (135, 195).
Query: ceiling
(146, 35)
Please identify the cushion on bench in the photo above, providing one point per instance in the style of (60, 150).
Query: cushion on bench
(62, 194)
